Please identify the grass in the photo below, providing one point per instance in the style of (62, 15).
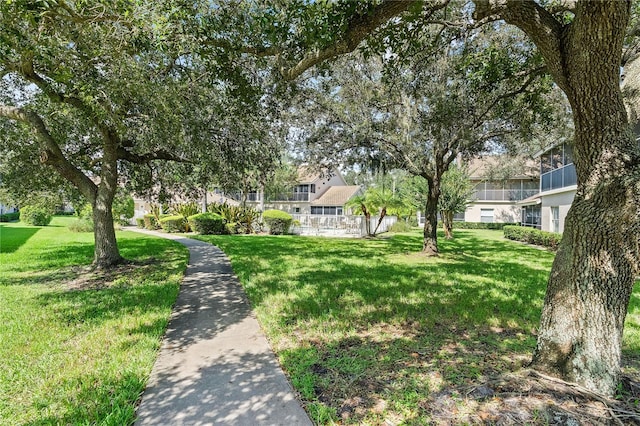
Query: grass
(77, 346)
(371, 332)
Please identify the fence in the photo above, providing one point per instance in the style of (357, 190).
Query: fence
(339, 226)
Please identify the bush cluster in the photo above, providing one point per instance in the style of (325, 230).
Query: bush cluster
(9, 217)
(533, 236)
(207, 223)
(140, 222)
(81, 225)
(480, 225)
(400, 226)
(239, 219)
(176, 223)
(150, 221)
(37, 216)
(278, 221)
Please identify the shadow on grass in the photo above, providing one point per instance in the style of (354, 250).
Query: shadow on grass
(96, 401)
(55, 263)
(473, 281)
(12, 238)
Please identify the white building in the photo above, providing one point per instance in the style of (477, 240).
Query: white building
(558, 183)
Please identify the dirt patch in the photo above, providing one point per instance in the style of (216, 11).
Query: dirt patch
(528, 397)
(91, 278)
(406, 378)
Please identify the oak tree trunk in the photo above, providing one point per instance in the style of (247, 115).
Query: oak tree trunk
(430, 230)
(592, 277)
(106, 251)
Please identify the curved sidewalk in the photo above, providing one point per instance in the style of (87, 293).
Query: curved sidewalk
(215, 365)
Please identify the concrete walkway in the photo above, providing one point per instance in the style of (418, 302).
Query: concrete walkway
(215, 365)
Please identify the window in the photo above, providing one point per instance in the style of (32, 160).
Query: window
(486, 215)
(531, 216)
(555, 219)
(296, 209)
(326, 210)
(557, 168)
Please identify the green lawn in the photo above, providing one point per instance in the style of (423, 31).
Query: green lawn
(371, 332)
(77, 347)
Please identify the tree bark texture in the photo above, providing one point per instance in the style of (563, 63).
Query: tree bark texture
(592, 277)
(430, 230)
(106, 252)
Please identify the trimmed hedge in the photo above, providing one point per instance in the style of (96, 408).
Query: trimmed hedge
(400, 226)
(150, 221)
(207, 223)
(533, 236)
(175, 223)
(81, 225)
(9, 217)
(140, 222)
(37, 216)
(479, 225)
(278, 221)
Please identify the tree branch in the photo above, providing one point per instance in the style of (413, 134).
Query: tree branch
(539, 24)
(51, 154)
(532, 75)
(360, 28)
(145, 158)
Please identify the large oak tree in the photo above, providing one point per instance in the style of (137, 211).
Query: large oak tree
(581, 41)
(104, 92)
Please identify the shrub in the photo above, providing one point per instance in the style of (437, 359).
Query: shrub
(533, 236)
(140, 222)
(400, 226)
(207, 223)
(186, 209)
(150, 221)
(81, 225)
(278, 221)
(175, 223)
(9, 217)
(123, 208)
(479, 225)
(32, 215)
(232, 228)
(243, 217)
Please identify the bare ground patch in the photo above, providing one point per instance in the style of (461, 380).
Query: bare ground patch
(87, 277)
(498, 390)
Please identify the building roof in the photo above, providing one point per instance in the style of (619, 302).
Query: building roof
(531, 201)
(336, 196)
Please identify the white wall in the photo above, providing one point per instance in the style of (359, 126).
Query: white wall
(561, 199)
(502, 212)
(323, 183)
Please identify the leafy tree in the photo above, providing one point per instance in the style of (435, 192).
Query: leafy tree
(456, 190)
(123, 207)
(360, 204)
(581, 43)
(467, 96)
(375, 200)
(107, 92)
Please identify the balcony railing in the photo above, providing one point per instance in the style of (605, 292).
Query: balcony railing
(503, 194)
(289, 196)
(558, 178)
